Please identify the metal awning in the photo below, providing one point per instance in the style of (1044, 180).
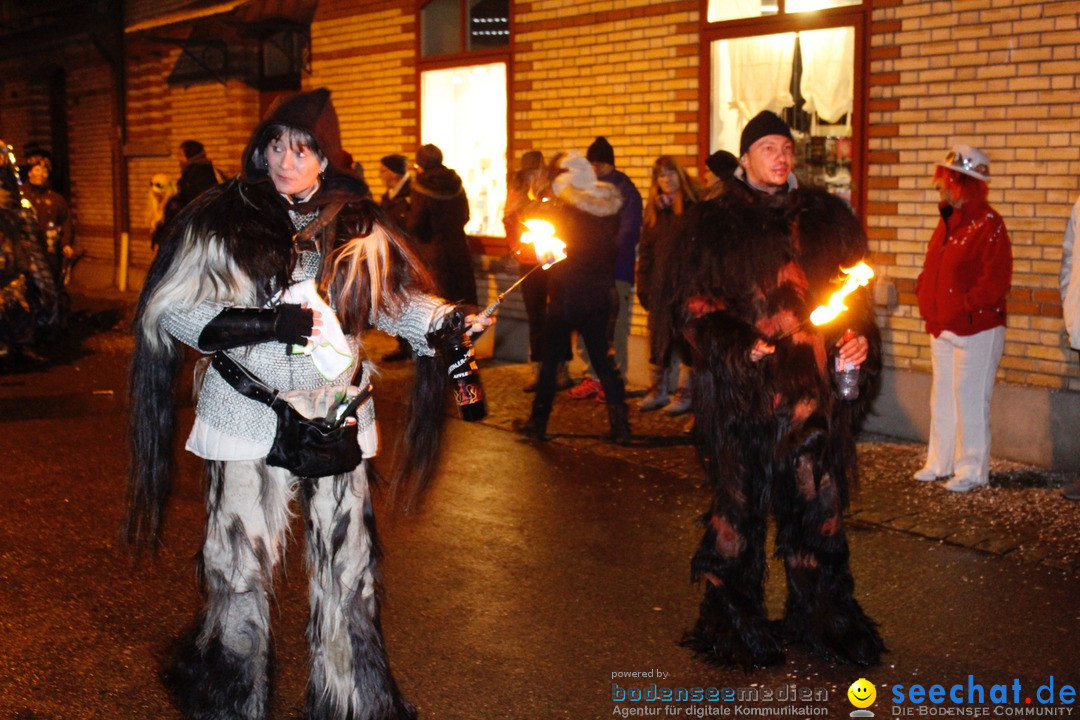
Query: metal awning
(220, 40)
(184, 16)
(239, 13)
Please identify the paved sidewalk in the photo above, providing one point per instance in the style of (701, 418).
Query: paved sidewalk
(1021, 515)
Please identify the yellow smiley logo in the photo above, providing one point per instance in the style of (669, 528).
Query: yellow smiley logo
(862, 693)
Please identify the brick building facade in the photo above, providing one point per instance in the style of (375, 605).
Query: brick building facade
(1000, 74)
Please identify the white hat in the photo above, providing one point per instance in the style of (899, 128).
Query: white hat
(968, 160)
(579, 173)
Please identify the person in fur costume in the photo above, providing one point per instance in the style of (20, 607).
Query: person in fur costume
(242, 273)
(29, 299)
(581, 290)
(772, 429)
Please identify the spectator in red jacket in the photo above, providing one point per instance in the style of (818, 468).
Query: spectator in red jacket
(962, 288)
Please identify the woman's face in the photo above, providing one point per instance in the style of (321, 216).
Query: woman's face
(947, 190)
(294, 168)
(668, 181)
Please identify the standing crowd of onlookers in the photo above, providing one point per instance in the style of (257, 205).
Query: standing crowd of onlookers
(619, 245)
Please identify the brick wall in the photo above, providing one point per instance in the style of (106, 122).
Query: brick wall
(366, 53)
(1000, 75)
(90, 121)
(627, 70)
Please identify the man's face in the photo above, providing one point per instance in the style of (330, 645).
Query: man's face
(602, 169)
(38, 175)
(389, 177)
(768, 162)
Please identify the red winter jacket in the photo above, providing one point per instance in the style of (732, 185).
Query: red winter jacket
(967, 272)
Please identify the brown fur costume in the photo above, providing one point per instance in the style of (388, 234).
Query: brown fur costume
(774, 434)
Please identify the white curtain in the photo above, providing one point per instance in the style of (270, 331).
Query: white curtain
(828, 72)
(761, 74)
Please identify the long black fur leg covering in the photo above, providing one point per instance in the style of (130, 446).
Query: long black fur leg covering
(821, 612)
(731, 629)
(208, 681)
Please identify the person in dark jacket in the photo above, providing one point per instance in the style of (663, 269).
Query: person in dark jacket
(394, 172)
(665, 229)
(438, 212)
(581, 290)
(197, 175)
(529, 188)
(602, 157)
(53, 214)
(28, 298)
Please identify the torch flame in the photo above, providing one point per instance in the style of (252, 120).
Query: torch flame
(548, 248)
(858, 276)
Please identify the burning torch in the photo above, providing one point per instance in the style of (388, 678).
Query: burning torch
(847, 373)
(857, 277)
(548, 249)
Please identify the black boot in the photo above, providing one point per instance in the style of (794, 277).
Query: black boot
(620, 424)
(535, 427)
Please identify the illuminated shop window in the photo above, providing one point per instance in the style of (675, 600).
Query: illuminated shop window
(463, 111)
(721, 10)
(449, 27)
(808, 78)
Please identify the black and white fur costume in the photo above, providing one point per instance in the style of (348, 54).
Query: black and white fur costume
(774, 434)
(214, 286)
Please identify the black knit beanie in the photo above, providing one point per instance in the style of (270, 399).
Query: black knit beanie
(532, 160)
(722, 163)
(191, 148)
(600, 152)
(763, 124)
(397, 164)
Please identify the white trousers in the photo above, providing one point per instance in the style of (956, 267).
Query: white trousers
(964, 369)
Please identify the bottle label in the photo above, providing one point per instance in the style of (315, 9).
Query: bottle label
(468, 393)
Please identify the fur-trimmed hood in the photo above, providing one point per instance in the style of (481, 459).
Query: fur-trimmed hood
(602, 200)
(439, 183)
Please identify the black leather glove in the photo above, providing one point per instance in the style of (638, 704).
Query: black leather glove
(235, 327)
(451, 325)
(293, 324)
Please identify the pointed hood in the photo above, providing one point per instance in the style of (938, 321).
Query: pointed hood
(311, 112)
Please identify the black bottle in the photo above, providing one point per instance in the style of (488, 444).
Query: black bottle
(465, 378)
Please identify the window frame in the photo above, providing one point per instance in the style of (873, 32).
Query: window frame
(460, 58)
(856, 16)
(481, 244)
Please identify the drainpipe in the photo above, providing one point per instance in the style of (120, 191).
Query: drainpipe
(112, 48)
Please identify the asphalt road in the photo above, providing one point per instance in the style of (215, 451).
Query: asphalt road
(534, 577)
